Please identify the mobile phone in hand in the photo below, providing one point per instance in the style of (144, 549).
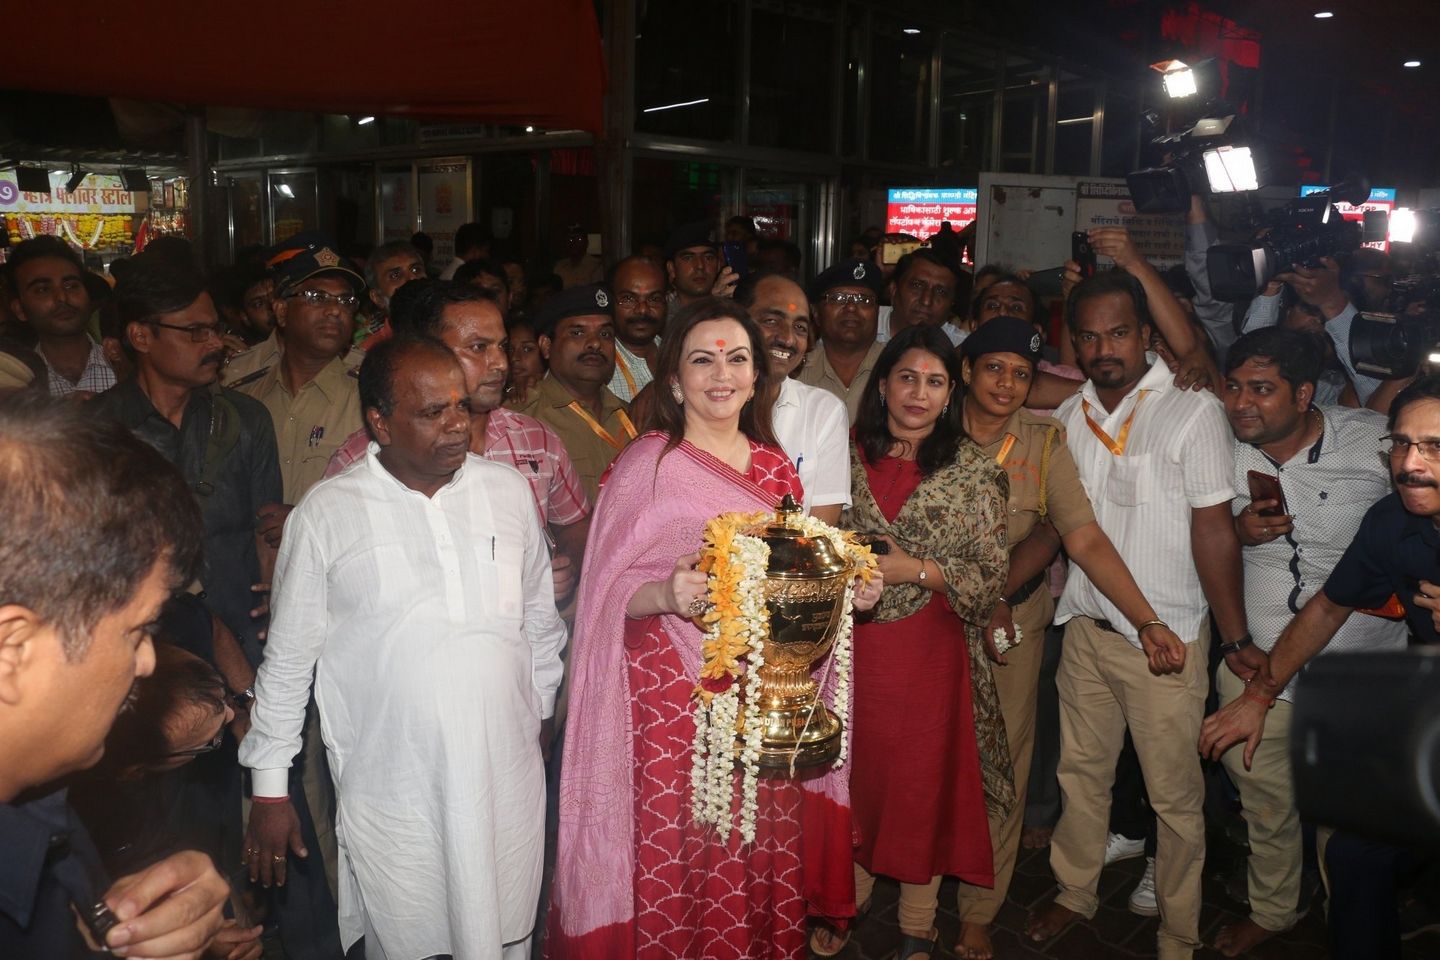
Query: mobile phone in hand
(876, 545)
(1265, 487)
(1082, 253)
(735, 257)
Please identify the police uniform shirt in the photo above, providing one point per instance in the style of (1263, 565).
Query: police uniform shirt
(262, 356)
(589, 452)
(311, 424)
(817, 372)
(49, 865)
(1067, 506)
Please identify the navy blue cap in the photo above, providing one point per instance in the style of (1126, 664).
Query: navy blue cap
(307, 255)
(847, 273)
(1004, 334)
(701, 233)
(588, 301)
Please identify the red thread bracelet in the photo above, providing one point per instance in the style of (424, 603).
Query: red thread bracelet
(269, 799)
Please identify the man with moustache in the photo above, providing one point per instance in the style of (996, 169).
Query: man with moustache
(1156, 461)
(922, 290)
(390, 266)
(811, 425)
(309, 390)
(847, 299)
(1330, 466)
(415, 590)
(576, 331)
(1395, 554)
(468, 322)
(637, 289)
(222, 441)
(46, 282)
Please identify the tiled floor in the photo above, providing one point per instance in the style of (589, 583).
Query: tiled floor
(1114, 932)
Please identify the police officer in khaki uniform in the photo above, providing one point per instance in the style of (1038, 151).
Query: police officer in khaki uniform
(308, 387)
(846, 299)
(1048, 506)
(576, 330)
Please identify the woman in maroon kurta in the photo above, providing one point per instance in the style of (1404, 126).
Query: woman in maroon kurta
(928, 749)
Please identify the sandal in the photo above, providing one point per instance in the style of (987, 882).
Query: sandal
(911, 946)
(843, 936)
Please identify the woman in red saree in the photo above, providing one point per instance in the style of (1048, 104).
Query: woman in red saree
(635, 876)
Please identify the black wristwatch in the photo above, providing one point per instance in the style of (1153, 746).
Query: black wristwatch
(1228, 648)
(242, 701)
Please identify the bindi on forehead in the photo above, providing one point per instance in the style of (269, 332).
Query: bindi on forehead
(720, 344)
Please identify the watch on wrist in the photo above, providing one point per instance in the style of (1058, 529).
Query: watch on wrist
(1228, 648)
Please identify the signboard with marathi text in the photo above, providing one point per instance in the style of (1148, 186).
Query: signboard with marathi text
(1160, 237)
(97, 193)
(919, 211)
(1381, 198)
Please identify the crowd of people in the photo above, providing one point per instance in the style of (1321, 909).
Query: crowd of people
(350, 610)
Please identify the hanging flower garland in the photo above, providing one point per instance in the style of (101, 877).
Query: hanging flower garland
(732, 649)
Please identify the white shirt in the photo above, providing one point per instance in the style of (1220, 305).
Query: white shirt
(455, 264)
(882, 328)
(1178, 458)
(97, 377)
(1328, 488)
(814, 430)
(430, 627)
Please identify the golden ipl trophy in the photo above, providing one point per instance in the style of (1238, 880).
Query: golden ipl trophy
(805, 589)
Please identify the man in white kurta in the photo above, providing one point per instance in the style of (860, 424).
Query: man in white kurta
(430, 626)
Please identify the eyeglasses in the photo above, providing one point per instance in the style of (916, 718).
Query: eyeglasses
(199, 332)
(630, 301)
(1428, 448)
(214, 744)
(853, 299)
(319, 298)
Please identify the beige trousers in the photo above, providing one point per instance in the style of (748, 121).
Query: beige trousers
(1105, 685)
(1267, 799)
(1015, 683)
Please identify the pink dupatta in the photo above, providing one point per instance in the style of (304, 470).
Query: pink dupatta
(651, 511)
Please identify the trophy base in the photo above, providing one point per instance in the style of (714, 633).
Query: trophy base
(788, 740)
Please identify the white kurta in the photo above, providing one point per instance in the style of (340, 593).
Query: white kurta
(430, 627)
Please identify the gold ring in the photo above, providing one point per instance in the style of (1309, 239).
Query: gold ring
(278, 859)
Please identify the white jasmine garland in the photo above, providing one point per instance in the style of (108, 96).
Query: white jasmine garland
(718, 715)
(1004, 643)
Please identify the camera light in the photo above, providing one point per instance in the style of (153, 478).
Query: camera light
(1180, 81)
(1402, 225)
(1434, 358)
(1230, 169)
(1324, 15)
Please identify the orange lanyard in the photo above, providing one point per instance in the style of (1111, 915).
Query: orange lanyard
(1005, 449)
(625, 372)
(1117, 447)
(601, 432)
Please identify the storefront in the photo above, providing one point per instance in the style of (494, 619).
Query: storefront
(105, 215)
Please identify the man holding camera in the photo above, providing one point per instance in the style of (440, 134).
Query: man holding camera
(1395, 554)
(1327, 469)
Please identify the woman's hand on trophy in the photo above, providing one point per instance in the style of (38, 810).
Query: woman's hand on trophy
(868, 594)
(685, 590)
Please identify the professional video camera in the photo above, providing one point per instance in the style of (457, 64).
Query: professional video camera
(1298, 234)
(1195, 162)
(1394, 343)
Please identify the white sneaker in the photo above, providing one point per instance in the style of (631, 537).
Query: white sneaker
(1142, 898)
(1120, 847)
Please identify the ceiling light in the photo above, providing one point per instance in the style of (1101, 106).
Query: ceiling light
(529, 129)
(284, 190)
(912, 31)
(672, 106)
(1324, 15)
(58, 173)
(364, 120)
(1411, 63)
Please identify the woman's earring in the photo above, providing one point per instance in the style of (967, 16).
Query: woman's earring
(945, 409)
(882, 401)
(677, 394)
